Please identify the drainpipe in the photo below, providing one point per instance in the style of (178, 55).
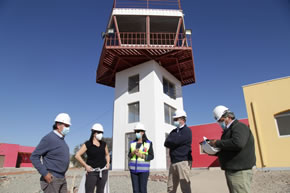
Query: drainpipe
(258, 134)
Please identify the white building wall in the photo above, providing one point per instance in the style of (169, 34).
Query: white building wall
(151, 99)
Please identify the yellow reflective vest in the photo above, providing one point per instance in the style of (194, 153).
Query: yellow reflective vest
(137, 164)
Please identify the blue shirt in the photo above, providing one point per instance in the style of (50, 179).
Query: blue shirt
(54, 153)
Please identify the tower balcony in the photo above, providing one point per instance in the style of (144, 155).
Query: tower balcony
(148, 4)
(142, 30)
(127, 49)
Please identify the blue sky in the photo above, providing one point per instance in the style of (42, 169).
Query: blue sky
(49, 52)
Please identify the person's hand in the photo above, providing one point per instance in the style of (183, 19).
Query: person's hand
(108, 166)
(212, 143)
(48, 178)
(140, 155)
(190, 164)
(136, 151)
(88, 168)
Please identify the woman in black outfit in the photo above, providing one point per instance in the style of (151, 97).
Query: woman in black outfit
(98, 160)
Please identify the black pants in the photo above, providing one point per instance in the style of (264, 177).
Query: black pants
(93, 179)
(139, 182)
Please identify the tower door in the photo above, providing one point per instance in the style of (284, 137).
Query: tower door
(129, 137)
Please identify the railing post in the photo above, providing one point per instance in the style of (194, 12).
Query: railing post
(177, 31)
(117, 30)
(148, 29)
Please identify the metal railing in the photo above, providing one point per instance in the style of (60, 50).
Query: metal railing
(148, 4)
(142, 39)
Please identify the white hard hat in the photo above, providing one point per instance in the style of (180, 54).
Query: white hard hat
(179, 113)
(63, 118)
(98, 127)
(219, 111)
(139, 126)
(207, 148)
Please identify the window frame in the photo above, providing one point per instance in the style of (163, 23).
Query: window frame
(135, 121)
(281, 114)
(201, 152)
(170, 108)
(169, 85)
(130, 90)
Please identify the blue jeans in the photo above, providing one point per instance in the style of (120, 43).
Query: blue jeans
(139, 182)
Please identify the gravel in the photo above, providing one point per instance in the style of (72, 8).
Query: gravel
(202, 181)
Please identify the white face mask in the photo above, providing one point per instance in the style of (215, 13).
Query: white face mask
(176, 123)
(99, 136)
(138, 135)
(65, 131)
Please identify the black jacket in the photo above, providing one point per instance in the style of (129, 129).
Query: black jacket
(179, 144)
(237, 148)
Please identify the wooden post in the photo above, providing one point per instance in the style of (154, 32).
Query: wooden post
(148, 30)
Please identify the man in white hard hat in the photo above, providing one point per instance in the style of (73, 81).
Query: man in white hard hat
(237, 150)
(55, 156)
(179, 143)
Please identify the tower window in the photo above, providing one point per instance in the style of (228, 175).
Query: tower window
(134, 113)
(283, 123)
(168, 113)
(133, 84)
(169, 88)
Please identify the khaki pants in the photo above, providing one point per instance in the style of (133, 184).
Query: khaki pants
(58, 185)
(239, 181)
(179, 173)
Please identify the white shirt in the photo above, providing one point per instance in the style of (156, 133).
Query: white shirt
(228, 125)
(178, 128)
(57, 133)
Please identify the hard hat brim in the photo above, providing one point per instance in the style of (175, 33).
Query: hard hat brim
(139, 129)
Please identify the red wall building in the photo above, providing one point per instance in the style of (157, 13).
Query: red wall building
(13, 155)
(210, 131)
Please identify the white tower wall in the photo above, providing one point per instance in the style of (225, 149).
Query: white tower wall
(151, 108)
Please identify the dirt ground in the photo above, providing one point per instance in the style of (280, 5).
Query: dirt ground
(202, 181)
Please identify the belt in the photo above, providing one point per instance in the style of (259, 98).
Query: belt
(99, 170)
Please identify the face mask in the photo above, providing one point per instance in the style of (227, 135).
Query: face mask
(223, 125)
(99, 136)
(138, 135)
(65, 131)
(176, 123)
